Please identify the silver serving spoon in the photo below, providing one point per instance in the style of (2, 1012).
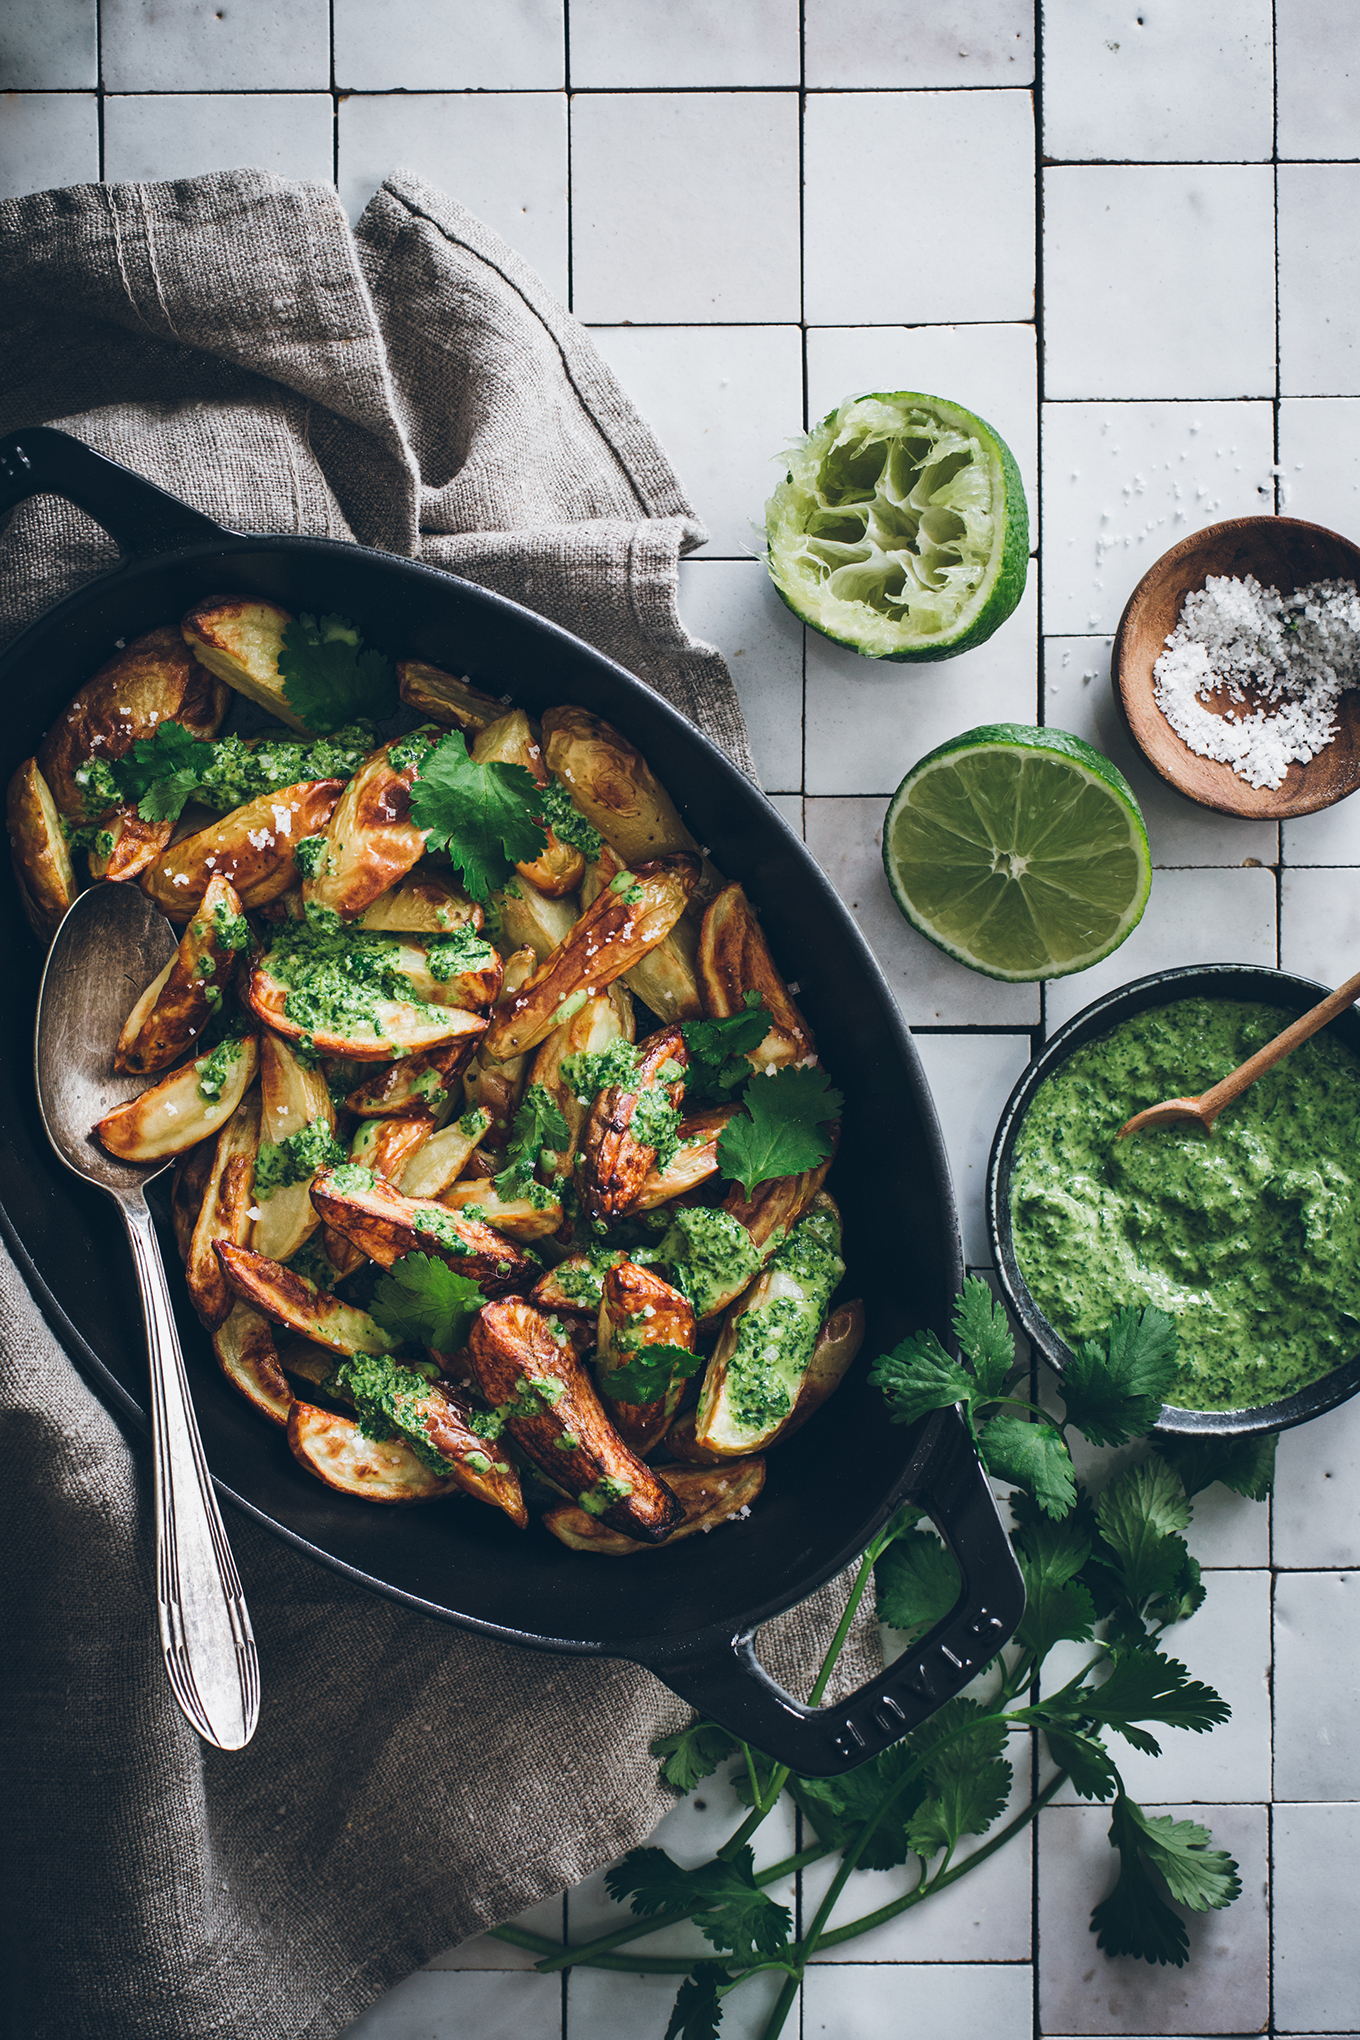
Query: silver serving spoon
(107, 950)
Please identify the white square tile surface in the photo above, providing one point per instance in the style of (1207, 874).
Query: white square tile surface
(1184, 256)
(761, 208)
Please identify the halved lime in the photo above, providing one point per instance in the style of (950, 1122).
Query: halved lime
(900, 528)
(1019, 851)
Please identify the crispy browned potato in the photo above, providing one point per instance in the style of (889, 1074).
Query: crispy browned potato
(132, 846)
(773, 1207)
(383, 1146)
(239, 638)
(614, 1162)
(443, 1157)
(252, 846)
(426, 902)
(613, 785)
(605, 1018)
(174, 1114)
(244, 1345)
(176, 1006)
(444, 698)
(497, 1087)
(695, 1161)
(511, 740)
(734, 959)
(629, 918)
(637, 1310)
(225, 1210)
(188, 1187)
(682, 1444)
(414, 1083)
(524, 1366)
(406, 1028)
(666, 980)
(293, 1098)
(153, 680)
(42, 863)
(530, 920)
(707, 1495)
(298, 1304)
(372, 1470)
(371, 841)
(516, 1216)
(387, 1225)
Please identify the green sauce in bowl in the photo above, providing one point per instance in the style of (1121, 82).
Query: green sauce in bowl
(1249, 1236)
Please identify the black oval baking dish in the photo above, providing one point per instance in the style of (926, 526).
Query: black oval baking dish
(1210, 980)
(687, 1613)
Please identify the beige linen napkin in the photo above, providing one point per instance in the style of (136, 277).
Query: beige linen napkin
(410, 385)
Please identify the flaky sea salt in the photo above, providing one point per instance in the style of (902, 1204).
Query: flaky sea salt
(1282, 661)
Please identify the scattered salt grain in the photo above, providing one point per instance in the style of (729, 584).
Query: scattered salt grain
(1283, 661)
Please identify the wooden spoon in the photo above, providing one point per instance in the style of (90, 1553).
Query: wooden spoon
(1204, 1110)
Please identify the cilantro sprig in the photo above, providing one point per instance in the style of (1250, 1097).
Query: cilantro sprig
(647, 1375)
(720, 1052)
(484, 816)
(538, 1127)
(329, 678)
(783, 1130)
(422, 1302)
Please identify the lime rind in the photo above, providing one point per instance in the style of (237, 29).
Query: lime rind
(1018, 851)
(900, 529)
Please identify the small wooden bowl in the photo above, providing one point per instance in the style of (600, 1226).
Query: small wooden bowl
(1282, 553)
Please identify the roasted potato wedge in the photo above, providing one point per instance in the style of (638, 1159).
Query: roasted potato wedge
(291, 1300)
(497, 1087)
(695, 1161)
(441, 1159)
(575, 1287)
(188, 1187)
(37, 844)
(128, 847)
(605, 1018)
(252, 846)
(152, 680)
(666, 980)
(174, 1114)
(838, 1342)
(528, 1369)
(626, 921)
(531, 920)
(225, 1211)
(444, 698)
(176, 1007)
(244, 1345)
(475, 989)
(773, 1207)
(516, 1216)
(333, 1448)
(415, 1083)
(423, 903)
(371, 841)
(638, 1310)
(398, 1028)
(613, 785)
(239, 639)
(383, 1146)
(293, 1098)
(558, 868)
(759, 1365)
(707, 1496)
(734, 959)
(387, 1225)
(615, 1161)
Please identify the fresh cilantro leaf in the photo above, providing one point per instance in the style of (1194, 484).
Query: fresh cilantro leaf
(839, 1807)
(918, 1376)
(697, 2011)
(1144, 1685)
(1135, 1919)
(1116, 1393)
(160, 772)
(693, 1754)
(1139, 1515)
(729, 1908)
(982, 1332)
(968, 1780)
(328, 681)
(917, 1583)
(421, 1302)
(483, 815)
(1058, 1608)
(1087, 1762)
(1246, 1465)
(537, 1125)
(784, 1132)
(650, 1372)
(719, 1054)
(1035, 1455)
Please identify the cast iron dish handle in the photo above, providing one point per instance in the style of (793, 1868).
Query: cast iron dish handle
(729, 1683)
(39, 461)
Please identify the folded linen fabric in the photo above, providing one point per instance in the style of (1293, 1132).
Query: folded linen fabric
(410, 385)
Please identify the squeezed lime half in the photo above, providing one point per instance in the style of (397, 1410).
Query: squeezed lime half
(1019, 851)
(900, 528)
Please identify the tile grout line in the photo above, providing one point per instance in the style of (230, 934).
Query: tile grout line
(99, 80)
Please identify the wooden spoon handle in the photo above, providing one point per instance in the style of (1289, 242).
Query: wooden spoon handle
(1213, 1101)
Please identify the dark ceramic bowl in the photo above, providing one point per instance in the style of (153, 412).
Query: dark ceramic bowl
(1212, 980)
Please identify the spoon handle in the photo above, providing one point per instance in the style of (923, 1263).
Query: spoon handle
(205, 1629)
(1212, 1102)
